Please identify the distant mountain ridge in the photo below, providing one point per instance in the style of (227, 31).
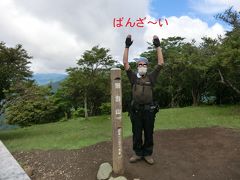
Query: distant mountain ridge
(47, 78)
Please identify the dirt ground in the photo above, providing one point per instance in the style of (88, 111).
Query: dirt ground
(196, 154)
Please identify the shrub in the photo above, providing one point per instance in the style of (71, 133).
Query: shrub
(105, 108)
(79, 112)
(31, 105)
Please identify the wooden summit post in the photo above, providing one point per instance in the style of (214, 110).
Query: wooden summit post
(116, 116)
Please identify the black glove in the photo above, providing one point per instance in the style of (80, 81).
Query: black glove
(156, 42)
(128, 41)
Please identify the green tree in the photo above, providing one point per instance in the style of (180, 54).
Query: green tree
(183, 79)
(209, 51)
(14, 66)
(88, 84)
(195, 73)
(28, 103)
(228, 63)
(171, 79)
(231, 17)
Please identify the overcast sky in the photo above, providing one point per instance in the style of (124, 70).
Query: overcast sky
(57, 32)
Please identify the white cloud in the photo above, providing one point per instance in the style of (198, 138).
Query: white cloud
(186, 27)
(47, 41)
(57, 32)
(214, 6)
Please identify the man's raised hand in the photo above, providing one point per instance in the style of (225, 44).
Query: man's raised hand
(156, 41)
(128, 41)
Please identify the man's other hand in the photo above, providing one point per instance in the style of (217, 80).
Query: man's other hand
(128, 41)
(156, 41)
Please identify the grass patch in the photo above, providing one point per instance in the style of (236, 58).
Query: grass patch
(77, 133)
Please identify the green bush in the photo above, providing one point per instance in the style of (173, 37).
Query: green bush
(25, 113)
(105, 108)
(31, 105)
(79, 112)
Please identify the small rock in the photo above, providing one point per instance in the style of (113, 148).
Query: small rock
(118, 178)
(104, 171)
(28, 170)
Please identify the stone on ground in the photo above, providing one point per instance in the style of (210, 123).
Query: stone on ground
(104, 171)
(118, 178)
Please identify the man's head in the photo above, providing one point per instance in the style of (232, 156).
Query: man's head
(142, 64)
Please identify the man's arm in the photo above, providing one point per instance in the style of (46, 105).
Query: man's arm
(154, 74)
(156, 43)
(128, 43)
(160, 56)
(125, 59)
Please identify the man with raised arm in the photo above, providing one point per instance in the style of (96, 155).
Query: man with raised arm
(143, 108)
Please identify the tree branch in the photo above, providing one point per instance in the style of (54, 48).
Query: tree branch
(233, 87)
(222, 79)
(228, 83)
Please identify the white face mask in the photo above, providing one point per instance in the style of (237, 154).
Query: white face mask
(142, 71)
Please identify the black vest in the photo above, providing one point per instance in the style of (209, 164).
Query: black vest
(142, 91)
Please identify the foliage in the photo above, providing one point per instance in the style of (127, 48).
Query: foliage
(88, 84)
(29, 104)
(105, 108)
(227, 64)
(79, 112)
(14, 66)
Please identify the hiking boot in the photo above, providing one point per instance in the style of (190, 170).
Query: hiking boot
(149, 159)
(135, 158)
